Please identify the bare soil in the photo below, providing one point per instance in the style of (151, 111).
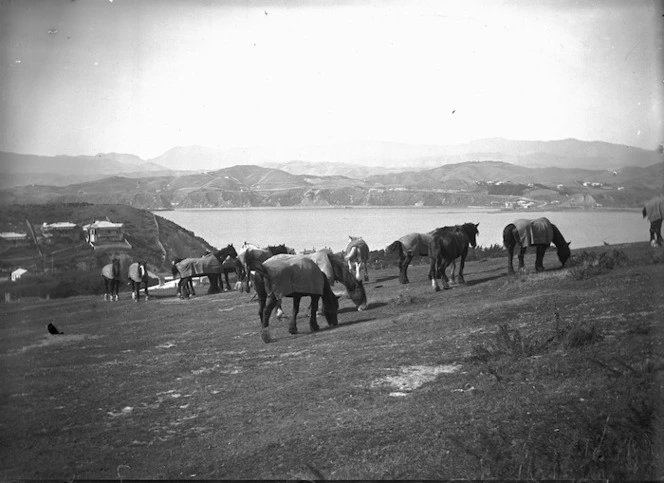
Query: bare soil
(554, 375)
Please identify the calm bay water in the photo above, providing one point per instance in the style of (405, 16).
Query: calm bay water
(307, 228)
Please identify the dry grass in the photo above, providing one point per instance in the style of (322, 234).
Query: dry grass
(553, 378)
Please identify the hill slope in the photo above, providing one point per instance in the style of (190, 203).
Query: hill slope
(151, 237)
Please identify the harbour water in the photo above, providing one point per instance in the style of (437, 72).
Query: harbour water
(314, 228)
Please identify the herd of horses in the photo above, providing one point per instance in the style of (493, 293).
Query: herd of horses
(277, 272)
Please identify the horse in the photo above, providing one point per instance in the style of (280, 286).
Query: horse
(539, 233)
(409, 246)
(447, 244)
(231, 265)
(188, 289)
(111, 275)
(294, 276)
(357, 254)
(259, 255)
(654, 210)
(334, 267)
(138, 274)
(209, 265)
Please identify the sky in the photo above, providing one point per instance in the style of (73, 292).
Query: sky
(81, 77)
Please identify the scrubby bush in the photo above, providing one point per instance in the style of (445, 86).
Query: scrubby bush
(589, 264)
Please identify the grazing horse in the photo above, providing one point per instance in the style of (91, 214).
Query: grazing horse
(335, 269)
(357, 254)
(209, 266)
(447, 244)
(138, 274)
(111, 275)
(539, 233)
(187, 290)
(654, 210)
(293, 276)
(409, 246)
(256, 254)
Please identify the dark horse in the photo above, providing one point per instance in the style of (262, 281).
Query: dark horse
(294, 276)
(209, 266)
(447, 244)
(138, 274)
(231, 265)
(654, 210)
(539, 233)
(410, 246)
(111, 275)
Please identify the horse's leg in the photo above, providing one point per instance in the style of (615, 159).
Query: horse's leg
(539, 259)
(280, 311)
(105, 288)
(462, 264)
(434, 273)
(403, 274)
(510, 256)
(147, 295)
(365, 265)
(522, 254)
(453, 276)
(115, 290)
(446, 281)
(313, 323)
(358, 267)
(292, 328)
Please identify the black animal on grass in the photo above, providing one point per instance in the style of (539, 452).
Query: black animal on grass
(52, 329)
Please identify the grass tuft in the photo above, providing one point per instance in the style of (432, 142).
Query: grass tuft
(590, 264)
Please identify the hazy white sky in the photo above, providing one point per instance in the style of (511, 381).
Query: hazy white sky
(143, 76)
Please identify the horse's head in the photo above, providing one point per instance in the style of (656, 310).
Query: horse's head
(471, 231)
(564, 252)
(644, 212)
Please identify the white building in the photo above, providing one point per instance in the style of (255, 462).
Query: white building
(18, 273)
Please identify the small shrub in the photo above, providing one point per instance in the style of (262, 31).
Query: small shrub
(590, 264)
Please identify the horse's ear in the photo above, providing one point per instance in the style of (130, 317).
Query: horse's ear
(476, 225)
(569, 243)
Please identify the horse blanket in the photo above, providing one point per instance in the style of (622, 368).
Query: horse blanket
(322, 259)
(655, 209)
(291, 274)
(416, 243)
(534, 232)
(135, 273)
(107, 272)
(357, 248)
(190, 267)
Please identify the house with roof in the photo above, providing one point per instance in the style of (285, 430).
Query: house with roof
(61, 229)
(10, 238)
(102, 232)
(17, 274)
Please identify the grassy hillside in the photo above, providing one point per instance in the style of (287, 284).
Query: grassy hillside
(542, 376)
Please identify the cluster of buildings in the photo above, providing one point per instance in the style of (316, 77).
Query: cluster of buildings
(99, 234)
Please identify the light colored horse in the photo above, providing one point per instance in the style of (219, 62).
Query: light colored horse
(334, 268)
(357, 257)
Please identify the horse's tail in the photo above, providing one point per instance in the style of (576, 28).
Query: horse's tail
(330, 302)
(508, 235)
(397, 245)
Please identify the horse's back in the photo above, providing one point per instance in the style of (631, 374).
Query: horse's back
(134, 272)
(322, 258)
(654, 208)
(291, 274)
(362, 251)
(416, 243)
(534, 232)
(448, 242)
(107, 272)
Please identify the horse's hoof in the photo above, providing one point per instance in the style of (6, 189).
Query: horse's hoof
(265, 335)
(436, 288)
(362, 307)
(292, 331)
(315, 329)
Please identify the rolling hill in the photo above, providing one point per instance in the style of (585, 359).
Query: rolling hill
(487, 182)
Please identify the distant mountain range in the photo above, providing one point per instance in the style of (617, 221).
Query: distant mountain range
(462, 184)
(357, 160)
